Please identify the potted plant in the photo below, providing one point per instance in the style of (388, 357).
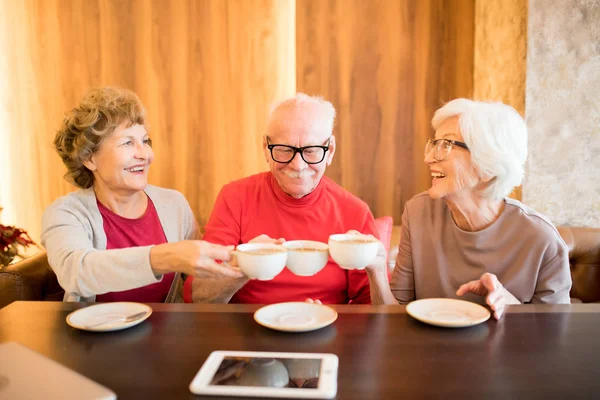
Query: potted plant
(13, 242)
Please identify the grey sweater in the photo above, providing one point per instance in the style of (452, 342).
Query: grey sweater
(74, 238)
(521, 247)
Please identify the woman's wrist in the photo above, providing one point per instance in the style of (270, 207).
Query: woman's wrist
(160, 255)
(377, 273)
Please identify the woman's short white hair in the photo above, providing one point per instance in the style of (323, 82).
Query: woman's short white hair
(326, 110)
(497, 138)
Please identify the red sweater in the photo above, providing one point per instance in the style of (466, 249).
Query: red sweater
(256, 205)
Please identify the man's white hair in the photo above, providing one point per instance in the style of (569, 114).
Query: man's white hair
(326, 111)
(497, 138)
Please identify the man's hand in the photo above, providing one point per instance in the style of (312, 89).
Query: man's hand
(266, 239)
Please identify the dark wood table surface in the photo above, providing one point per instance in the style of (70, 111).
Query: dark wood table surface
(535, 351)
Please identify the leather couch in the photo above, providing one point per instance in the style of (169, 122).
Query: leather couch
(584, 258)
(30, 279)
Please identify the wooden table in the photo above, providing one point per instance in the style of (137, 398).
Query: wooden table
(535, 351)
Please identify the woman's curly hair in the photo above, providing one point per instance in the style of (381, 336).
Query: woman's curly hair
(98, 114)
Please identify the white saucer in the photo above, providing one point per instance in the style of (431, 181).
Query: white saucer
(295, 316)
(84, 317)
(450, 313)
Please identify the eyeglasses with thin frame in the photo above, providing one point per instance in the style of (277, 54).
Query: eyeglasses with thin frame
(284, 154)
(442, 147)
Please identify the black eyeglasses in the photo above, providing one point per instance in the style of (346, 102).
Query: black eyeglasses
(284, 154)
(442, 147)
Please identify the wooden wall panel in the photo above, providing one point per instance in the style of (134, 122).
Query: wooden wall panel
(501, 54)
(386, 66)
(207, 71)
(32, 100)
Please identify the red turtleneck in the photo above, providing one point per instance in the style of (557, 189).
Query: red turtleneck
(256, 205)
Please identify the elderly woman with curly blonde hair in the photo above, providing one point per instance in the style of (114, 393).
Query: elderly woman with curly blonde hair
(118, 238)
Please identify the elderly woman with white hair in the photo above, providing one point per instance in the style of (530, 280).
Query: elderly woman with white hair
(464, 236)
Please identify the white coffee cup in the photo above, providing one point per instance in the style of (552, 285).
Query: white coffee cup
(353, 251)
(306, 257)
(262, 261)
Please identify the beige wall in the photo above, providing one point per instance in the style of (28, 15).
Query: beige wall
(563, 111)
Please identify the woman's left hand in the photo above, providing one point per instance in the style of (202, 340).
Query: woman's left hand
(490, 287)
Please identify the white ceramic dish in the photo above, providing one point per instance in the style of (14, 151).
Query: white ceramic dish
(306, 263)
(295, 316)
(106, 317)
(263, 267)
(448, 313)
(352, 251)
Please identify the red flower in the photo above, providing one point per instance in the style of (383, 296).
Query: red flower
(10, 240)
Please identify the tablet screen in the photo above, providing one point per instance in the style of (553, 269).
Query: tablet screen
(268, 372)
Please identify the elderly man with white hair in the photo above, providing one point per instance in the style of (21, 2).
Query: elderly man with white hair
(293, 201)
(465, 237)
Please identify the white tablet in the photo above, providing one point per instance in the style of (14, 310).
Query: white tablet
(266, 374)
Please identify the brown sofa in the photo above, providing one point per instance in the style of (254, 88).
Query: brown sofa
(30, 279)
(584, 257)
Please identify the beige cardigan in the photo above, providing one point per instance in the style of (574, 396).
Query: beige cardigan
(74, 238)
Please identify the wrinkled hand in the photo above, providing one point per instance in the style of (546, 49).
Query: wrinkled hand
(381, 259)
(266, 239)
(196, 258)
(490, 287)
(206, 261)
(311, 301)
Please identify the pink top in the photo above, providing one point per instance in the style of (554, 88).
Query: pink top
(256, 205)
(124, 232)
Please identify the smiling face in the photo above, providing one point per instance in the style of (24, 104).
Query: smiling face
(455, 174)
(122, 162)
(299, 126)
